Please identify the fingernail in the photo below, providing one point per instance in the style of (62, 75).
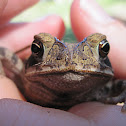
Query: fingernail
(94, 12)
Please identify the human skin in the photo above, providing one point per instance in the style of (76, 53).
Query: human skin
(18, 112)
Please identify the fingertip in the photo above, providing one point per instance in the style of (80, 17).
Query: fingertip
(88, 17)
(8, 89)
(52, 24)
(13, 8)
(79, 23)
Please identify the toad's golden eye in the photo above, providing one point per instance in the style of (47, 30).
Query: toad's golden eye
(37, 48)
(104, 48)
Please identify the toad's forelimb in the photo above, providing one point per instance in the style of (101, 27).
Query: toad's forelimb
(10, 61)
(116, 93)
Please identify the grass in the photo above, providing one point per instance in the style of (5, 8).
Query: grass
(60, 8)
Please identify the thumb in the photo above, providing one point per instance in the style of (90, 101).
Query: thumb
(88, 17)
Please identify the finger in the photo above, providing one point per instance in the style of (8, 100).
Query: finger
(15, 7)
(8, 89)
(15, 112)
(3, 3)
(100, 114)
(21, 35)
(87, 18)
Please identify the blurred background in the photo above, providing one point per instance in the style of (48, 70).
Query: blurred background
(115, 8)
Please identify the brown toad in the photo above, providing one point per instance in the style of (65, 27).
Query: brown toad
(61, 75)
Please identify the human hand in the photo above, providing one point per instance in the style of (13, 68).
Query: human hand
(21, 113)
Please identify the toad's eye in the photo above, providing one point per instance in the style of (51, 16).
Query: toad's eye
(104, 48)
(37, 48)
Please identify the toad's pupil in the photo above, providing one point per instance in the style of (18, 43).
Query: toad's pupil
(105, 48)
(35, 48)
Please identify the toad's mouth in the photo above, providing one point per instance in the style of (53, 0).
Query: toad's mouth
(52, 69)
